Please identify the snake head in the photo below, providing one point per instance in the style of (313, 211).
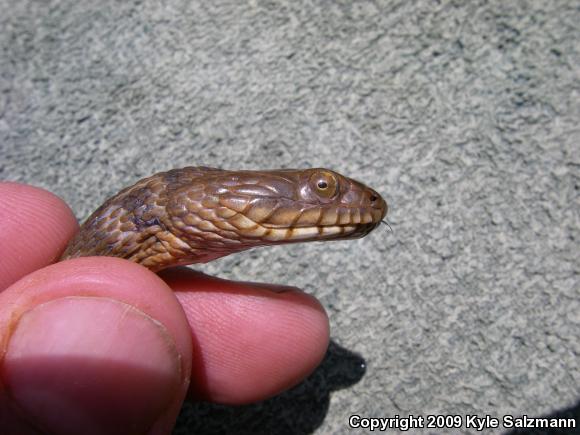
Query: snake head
(197, 214)
(252, 208)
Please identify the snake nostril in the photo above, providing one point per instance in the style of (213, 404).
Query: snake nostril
(373, 198)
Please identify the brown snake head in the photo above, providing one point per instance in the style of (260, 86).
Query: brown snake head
(197, 214)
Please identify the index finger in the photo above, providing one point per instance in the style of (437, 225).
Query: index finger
(36, 226)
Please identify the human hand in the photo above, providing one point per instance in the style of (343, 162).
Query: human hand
(102, 345)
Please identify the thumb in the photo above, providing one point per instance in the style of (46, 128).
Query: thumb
(95, 346)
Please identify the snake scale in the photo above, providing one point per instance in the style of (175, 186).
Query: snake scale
(197, 214)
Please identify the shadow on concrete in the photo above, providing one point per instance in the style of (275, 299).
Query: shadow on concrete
(297, 411)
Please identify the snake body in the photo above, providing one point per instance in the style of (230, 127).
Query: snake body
(197, 214)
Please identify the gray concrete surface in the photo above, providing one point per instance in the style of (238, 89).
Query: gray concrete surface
(465, 115)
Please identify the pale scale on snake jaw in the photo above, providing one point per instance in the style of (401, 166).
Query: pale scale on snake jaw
(197, 214)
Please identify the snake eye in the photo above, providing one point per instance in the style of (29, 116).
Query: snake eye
(324, 183)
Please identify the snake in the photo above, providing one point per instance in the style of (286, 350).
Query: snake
(198, 214)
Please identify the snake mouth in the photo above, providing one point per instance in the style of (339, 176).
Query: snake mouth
(332, 232)
(358, 224)
(257, 225)
(311, 233)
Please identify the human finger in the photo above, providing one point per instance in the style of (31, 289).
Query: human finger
(251, 341)
(36, 226)
(92, 345)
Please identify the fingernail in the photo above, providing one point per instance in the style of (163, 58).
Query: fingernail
(81, 363)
